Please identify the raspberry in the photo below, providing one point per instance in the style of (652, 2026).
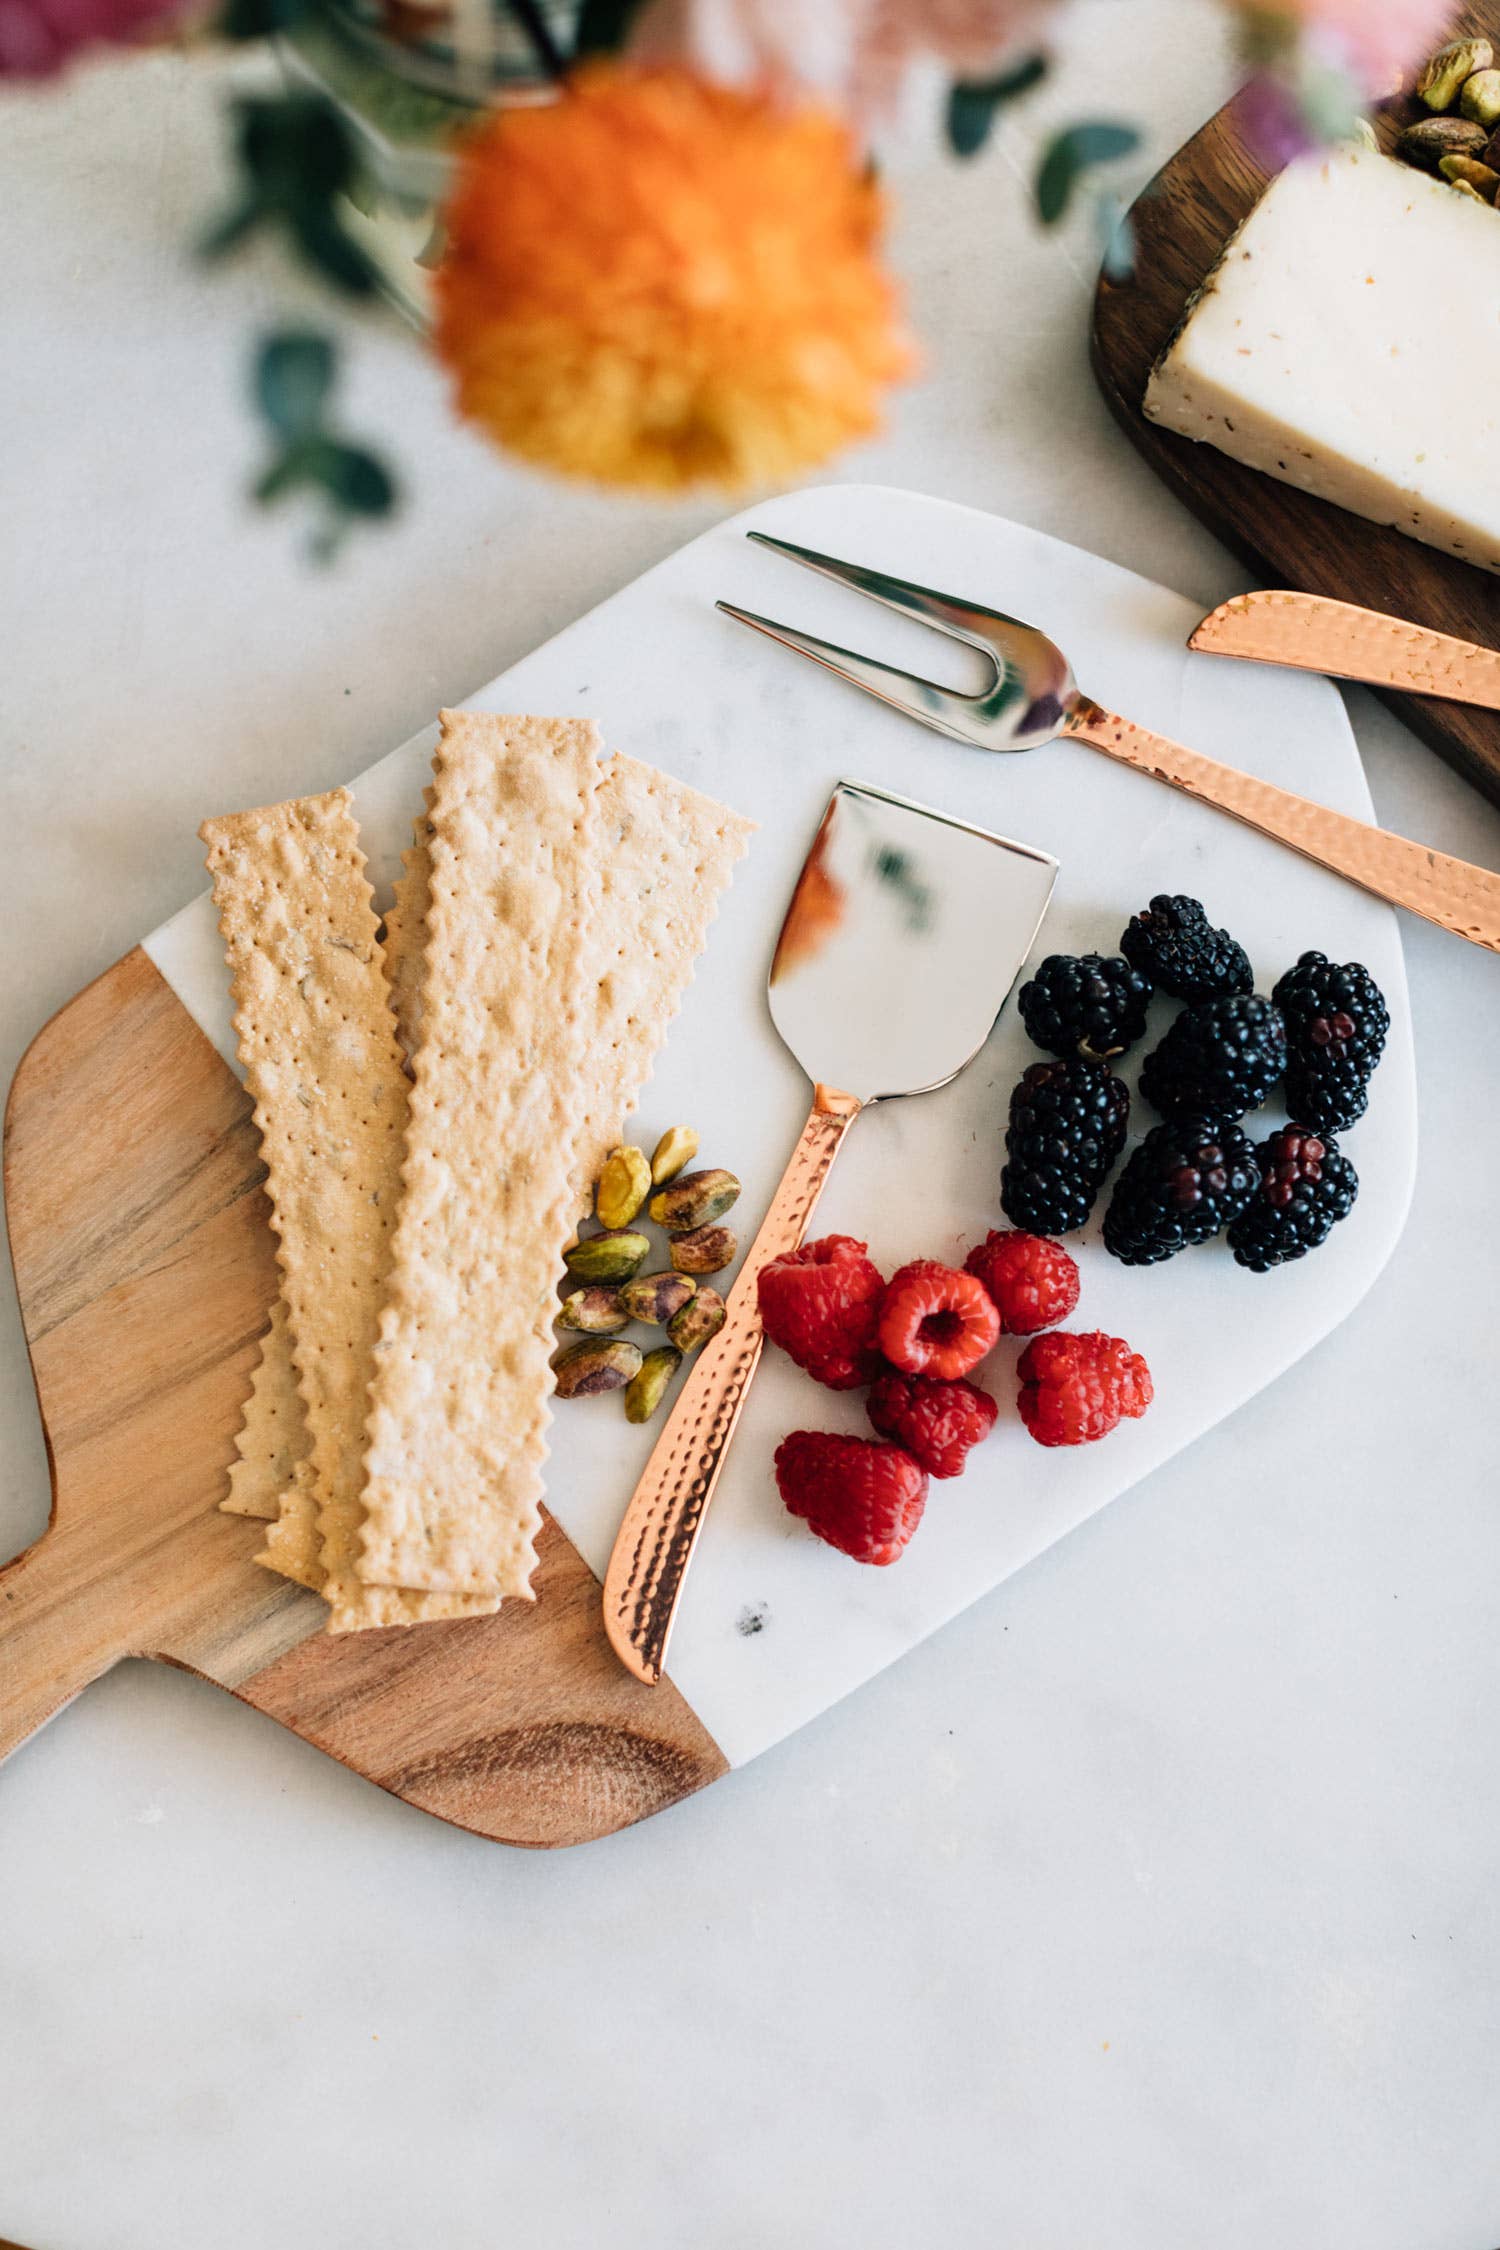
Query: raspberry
(821, 1304)
(937, 1422)
(864, 1498)
(1034, 1282)
(1076, 1388)
(935, 1321)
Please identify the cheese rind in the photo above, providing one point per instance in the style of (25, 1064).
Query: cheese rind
(1345, 344)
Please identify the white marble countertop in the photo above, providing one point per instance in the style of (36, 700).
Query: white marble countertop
(1154, 1903)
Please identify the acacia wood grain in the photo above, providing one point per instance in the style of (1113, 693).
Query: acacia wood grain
(1286, 537)
(144, 1265)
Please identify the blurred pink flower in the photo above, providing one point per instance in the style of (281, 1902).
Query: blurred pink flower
(854, 53)
(1376, 41)
(38, 36)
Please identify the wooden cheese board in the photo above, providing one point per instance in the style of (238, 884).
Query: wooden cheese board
(143, 1254)
(1287, 538)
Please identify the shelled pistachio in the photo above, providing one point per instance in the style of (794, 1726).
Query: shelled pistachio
(648, 1386)
(616, 1256)
(597, 1311)
(603, 1363)
(676, 1149)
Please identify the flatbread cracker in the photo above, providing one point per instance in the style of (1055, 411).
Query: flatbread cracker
(669, 855)
(405, 941)
(318, 1044)
(565, 993)
(293, 1545)
(273, 1434)
(452, 1472)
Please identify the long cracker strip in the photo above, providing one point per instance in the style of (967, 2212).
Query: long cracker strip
(667, 854)
(405, 942)
(462, 1372)
(273, 1433)
(272, 1447)
(293, 1545)
(318, 1043)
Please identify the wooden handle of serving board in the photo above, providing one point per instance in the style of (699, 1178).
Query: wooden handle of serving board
(644, 1581)
(56, 1636)
(1450, 892)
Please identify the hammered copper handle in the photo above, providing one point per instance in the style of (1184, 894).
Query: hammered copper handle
(1318, 635)
(1447, 891)
(655, 1543)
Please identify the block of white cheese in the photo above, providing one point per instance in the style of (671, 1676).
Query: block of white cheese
(1348, 341)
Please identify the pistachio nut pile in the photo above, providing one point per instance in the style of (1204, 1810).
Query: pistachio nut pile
(608, 1288)
(1458, 139)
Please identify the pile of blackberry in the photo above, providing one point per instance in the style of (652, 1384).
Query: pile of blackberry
(1197, 1173)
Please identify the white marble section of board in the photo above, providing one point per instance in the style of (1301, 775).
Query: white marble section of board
(775, 1627)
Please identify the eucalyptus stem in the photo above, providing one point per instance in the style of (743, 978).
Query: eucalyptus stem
(531, 20)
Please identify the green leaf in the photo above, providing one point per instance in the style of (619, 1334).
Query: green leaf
(295, 372)
(603, 26)
(974, 104)
(296, 148)
(357, 480)
(1070, 154)
(260, 19)
(290, 469)
(222, 236)
(331, 251)
(293, 379)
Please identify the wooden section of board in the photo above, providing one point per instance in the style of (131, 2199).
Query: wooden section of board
(1284, 536)
(144, 1267)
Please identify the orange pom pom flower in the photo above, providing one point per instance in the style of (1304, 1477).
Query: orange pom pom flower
(663, 283)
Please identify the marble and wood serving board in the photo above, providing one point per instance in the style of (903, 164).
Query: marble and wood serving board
(143, 1256)
(1286, 537)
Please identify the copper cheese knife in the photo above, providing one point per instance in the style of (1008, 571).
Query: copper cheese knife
(903, 936)
(1312, 634)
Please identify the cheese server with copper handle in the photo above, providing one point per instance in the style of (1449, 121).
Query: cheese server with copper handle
(905, 933)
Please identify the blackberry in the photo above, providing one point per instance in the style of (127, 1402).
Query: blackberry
(1185, 1181)
(1336, 1021)
(1174, 944)
(1067, 1126)
(1306, 1186)
(1085, 1005)
(1219, 1059)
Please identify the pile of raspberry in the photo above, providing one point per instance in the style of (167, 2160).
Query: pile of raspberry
(911, 1344)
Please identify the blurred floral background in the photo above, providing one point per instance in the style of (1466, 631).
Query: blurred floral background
(646, 238)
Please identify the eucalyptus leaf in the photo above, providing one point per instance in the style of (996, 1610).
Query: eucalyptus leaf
(293, 379)
(358, 481)
(1073, 152)
(331, 250)
(261, 19)
(295, 374)
(974, 104)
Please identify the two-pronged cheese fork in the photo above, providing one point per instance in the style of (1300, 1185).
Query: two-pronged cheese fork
(1033, 698)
